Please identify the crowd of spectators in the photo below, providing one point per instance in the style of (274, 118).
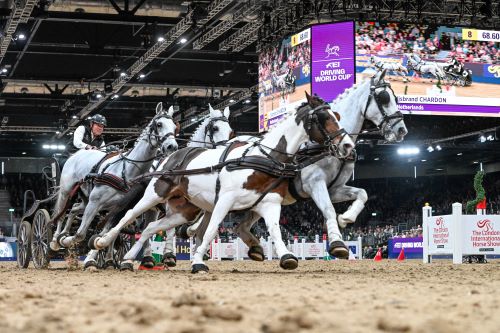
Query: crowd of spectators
(281, 59)
(397, 38)
(17, 184)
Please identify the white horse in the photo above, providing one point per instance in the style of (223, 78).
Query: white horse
(213, 132)
(425, 67)
(158, 134)
(380, 65)
(239, 187)
(324, 181)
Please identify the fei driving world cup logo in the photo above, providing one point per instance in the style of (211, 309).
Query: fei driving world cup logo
(485, 224)
(332, 50)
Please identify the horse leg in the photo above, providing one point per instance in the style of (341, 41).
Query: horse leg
(320, 196)
(90, 262)
(169, 221)
(148, 201)
(77, 209)
(255, 250)
(169, 258)
(270, 211)
(221, 209)
(90, 212)
(347, 193)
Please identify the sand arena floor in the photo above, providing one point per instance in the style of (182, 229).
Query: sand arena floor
(320, 296)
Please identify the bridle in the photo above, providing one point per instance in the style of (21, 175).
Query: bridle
(328, 138)
(382, 98)
(210, 130)
(154, 131)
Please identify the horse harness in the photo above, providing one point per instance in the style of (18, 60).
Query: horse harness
(211, 129)
(121, 184)
(382, 98)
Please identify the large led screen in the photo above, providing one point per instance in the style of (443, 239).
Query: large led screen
(435, 70)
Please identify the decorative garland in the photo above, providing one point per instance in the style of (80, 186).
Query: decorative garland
(480, 194)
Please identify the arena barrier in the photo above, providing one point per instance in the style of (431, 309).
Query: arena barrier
(237, 250)
(459, 234)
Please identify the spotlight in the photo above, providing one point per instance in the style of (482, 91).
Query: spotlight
(482, 138)
(57, 132)
(232, 101)
(438, 148)
(74, 117)
(247, 101)
(161, 39)
(490, 138)
(98, 95)
(46, 147)
(24, 153)
(115, 96)
(430, 149)
(476, 162)
(4, 70)
(21, 36)
(183, 40)
(423, 160)
(408, 151)
(376, 159)
(459, 154)
(53, 146)
(193, 120)
(142, 76)
(123, 74)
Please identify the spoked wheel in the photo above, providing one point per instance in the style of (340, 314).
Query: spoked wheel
(121, 246)
(24, 245)
(40, 239)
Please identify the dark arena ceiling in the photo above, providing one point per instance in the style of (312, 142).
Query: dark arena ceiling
(58, 56)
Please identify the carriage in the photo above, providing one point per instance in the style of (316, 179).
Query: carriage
(36, 230)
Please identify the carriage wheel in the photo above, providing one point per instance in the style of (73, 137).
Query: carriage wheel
(24, 245)
(40, 239)
(121, 246)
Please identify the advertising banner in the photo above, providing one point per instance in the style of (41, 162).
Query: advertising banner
(8, 251)
(481, 234)
(332, 59)
(413, 247)
(441, 234)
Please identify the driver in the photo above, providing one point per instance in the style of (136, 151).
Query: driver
(89, 136)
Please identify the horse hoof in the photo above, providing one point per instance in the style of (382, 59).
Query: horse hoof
(256, 253)
(60, 238)
(182, 232)
(109, 264)
(339, 250)
(199, 268)
(289, 262)
(92, 242)
(170, 260)
(90, 266)
(54, 246)
(148, 262)
(126, 266)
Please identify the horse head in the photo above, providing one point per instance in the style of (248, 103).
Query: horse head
(162, 130)
(322, 126)
(382, 109)
(218, 129)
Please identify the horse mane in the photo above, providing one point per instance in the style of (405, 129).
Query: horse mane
(348, 91)
(197, 139)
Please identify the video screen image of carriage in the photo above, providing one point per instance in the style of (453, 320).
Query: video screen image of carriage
(36, 229)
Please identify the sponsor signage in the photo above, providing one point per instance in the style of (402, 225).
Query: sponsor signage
(333, 59)
(481, 234)
(413, 247)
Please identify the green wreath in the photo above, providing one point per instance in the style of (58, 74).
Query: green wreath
(480, 194)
